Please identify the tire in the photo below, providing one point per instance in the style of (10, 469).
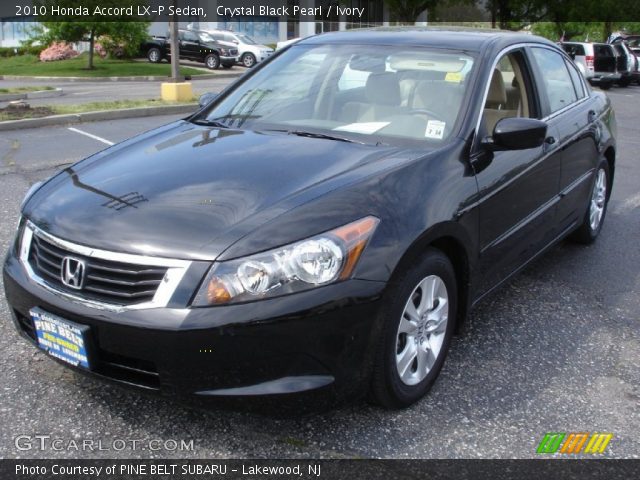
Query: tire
(591, 225)
(154, 55)
(212, 61)
(400, 337)
(625, 82)
(248, 60)
(605, 85)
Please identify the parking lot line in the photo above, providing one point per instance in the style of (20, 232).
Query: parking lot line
(91, 135)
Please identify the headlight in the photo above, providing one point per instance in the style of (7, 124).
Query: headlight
(224, 52)
(303, 265)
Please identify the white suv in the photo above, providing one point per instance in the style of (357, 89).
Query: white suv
(250, 52)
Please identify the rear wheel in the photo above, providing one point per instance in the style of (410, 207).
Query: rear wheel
(605, 85)
(597, 209)
(154, 56)
(418, 326)
(212, 61)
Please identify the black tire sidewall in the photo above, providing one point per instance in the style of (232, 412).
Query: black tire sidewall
(396, 393)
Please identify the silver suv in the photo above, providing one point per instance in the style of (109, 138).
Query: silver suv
(596, 61)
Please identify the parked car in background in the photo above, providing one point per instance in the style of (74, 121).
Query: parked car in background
(596, 61)
(194, 46)
(323, 226)
(250, 52)
(625, 63)
(631, 47)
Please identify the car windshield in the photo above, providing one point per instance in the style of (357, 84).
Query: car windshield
(247, 40)
(367, 93)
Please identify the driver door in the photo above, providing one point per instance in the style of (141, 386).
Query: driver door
(518, 188)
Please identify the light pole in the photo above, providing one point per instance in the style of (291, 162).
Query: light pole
(175, 47)
(176, 89)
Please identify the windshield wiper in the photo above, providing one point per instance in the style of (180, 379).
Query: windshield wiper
(304, 133)
(209, 123)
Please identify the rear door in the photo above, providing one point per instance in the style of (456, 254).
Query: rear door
(568, 108)
(189, 45)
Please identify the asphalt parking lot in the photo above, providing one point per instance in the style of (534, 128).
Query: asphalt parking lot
(556, 350)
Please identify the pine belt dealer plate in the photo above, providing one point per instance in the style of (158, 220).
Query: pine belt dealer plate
(61, 338)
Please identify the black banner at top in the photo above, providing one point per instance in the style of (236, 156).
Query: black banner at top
(497, 13)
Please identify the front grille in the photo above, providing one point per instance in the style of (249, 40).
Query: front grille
(105, 280)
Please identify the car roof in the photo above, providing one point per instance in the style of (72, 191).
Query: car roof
(472, 39)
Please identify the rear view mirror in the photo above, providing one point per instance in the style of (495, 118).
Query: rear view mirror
(517, 133)
(206, 99)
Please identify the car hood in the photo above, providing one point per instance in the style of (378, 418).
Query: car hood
(188, 191)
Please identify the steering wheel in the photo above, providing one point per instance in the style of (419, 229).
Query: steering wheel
(424, 111)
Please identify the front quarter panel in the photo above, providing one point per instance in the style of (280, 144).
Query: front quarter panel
(426, 197)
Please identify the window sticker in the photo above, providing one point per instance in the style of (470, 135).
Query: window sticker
(363, 127)
(455, 77)
(435, 129)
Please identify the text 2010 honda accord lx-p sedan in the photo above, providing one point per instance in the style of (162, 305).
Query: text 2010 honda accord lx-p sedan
(322, 226)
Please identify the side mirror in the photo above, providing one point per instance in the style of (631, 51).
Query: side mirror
(516, 133)
(206, 99)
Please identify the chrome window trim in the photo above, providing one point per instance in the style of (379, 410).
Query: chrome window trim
(176, 270)
(502, 53)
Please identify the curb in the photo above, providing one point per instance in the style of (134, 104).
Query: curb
(206, 76)
(9, 97)
(69, 119)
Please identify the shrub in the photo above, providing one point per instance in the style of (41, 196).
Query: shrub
(58, 51)
(6, 52)
(100, 50)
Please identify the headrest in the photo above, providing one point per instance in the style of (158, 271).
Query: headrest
(497, 92)
(383, 89)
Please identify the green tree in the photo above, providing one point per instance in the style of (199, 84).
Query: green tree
(88, 28)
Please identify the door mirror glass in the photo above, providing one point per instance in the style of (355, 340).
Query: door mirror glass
(206, 99)
(517, 133)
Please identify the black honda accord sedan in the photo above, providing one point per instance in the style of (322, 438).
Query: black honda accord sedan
(321, 227)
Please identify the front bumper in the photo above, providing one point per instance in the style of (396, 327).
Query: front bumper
(228, 60)
(318, 341)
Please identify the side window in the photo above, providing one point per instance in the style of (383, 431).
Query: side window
(189, 37)
(577, 81)
(556, 78)
(509, 94)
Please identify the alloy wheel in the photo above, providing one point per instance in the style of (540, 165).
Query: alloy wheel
(598, 200)
(422, 329)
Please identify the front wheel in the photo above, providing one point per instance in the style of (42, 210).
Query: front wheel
(212, 61)
(248, 60)
(417, 330)
(591, 225)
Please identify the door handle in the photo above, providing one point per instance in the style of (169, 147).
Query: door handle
(549, 144)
